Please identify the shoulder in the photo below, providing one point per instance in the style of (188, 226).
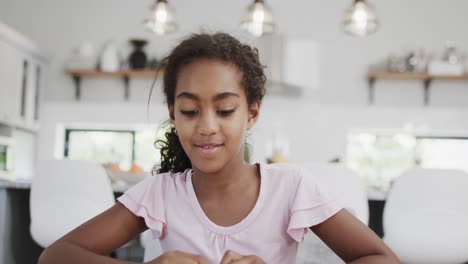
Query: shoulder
(290, 177)
(166, 177)
(284, 171)
(147, 199)
(281, 176)
(158, 183)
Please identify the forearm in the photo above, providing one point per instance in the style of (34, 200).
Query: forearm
(381, 259)
(65, 252)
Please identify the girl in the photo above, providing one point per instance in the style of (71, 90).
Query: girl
(207, 205)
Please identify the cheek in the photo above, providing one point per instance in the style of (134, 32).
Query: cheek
(184, 129)
(236, 128)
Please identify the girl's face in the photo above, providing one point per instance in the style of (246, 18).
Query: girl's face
(211, 114)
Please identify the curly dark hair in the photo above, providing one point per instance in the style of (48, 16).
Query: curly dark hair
(218, 46)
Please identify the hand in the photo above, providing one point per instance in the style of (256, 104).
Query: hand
(178, 257)
(231, 257)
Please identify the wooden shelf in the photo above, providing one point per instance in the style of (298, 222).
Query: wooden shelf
(449, 77)
(426, 78)
(397, 75)
(126, 75)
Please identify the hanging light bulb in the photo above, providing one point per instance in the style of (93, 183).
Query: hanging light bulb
(259, 19)
(360, 19)
(161, 18)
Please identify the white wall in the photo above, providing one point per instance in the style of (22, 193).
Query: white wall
(316, 126)
(318, 133)
(315, 133)
(61, 25)
(59, 116)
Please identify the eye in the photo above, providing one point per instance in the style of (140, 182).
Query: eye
(189, 113)
(226, 112)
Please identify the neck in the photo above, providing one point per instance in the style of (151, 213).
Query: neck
(230, 178)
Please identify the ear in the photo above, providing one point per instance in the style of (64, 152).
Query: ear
(254, 111)
(171, 114)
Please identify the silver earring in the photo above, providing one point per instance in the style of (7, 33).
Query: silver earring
(174, 128)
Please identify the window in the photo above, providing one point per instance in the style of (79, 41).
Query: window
(3, 158)
(380, 158)
(443, 152)
(121, 147)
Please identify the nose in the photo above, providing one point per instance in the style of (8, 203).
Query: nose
(208, 124)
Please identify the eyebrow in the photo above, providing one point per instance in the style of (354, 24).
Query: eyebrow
(217, 97)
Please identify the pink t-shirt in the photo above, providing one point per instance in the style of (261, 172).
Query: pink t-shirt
(290, 201)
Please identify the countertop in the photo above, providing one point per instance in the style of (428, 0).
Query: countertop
(119, 187)
(15, 184)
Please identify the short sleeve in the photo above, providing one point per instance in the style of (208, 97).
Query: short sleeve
(146, 200)
(310, 206)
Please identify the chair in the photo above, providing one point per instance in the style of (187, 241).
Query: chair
(425, 218)
(65, 194)
(346, 187)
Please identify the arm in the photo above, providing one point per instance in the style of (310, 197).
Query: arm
(353, 241)
(94, 240)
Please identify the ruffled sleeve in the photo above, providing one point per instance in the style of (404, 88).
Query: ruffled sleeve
(309, 206)
(146, 200)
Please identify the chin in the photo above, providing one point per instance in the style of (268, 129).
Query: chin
(209, 166)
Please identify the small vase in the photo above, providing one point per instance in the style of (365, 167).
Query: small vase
(138, 58)
(110, 58)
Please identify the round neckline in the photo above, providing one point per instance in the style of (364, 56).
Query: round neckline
(206, 221)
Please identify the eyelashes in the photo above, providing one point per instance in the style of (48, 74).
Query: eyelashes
(226, 112)
(222, 112)
(189, 113)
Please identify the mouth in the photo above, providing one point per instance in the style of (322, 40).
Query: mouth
(208, 148)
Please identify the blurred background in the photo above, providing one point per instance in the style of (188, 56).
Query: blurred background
(378, 87)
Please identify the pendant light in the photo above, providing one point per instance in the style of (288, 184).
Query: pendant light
(161, 18)
(360, 19)
(259, 19)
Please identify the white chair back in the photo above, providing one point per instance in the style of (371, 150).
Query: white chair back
(426, 216)
(346, 187)
(343, 185)
(65, 194)
(152, 246)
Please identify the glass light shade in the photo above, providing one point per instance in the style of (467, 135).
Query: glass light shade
(161, 18)
(360, 19)
(259, 19)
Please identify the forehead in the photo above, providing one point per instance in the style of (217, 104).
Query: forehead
(206, 77)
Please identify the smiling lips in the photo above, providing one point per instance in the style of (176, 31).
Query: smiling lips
(208, 148)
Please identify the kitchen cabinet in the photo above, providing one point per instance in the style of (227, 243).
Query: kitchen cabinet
(10, 83)
(32, 79)
(21, 79)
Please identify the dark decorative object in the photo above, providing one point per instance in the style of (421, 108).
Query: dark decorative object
(138, 57)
